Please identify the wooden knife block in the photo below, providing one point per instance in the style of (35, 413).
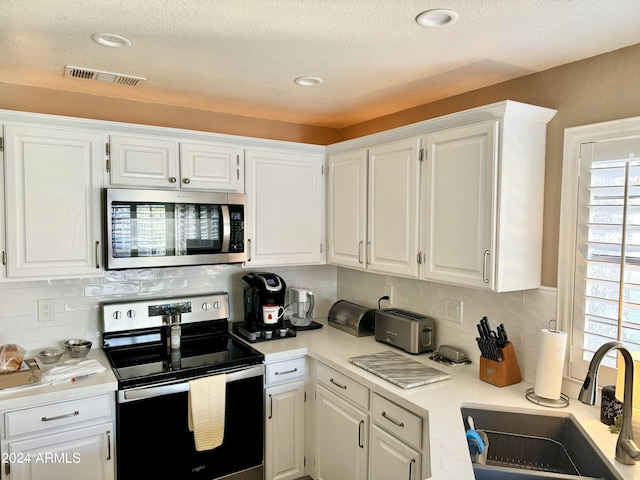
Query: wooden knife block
(501, 374)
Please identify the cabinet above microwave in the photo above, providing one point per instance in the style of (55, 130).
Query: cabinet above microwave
(162, 228)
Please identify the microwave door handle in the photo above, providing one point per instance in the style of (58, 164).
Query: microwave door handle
(226, 227)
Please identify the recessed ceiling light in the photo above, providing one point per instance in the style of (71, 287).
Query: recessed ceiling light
(111, 40)
(438, 17)
(308, 81)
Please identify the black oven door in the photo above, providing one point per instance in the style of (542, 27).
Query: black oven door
(154, 440)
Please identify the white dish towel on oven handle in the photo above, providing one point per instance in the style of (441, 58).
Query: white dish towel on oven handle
(207, 399)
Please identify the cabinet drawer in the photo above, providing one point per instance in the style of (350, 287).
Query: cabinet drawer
(395, 419)
(342, 385)
(286, 371)
(57, 415)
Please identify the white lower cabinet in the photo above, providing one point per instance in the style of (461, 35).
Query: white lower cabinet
(396, 437)
(362, 435)
(341, 439)
(392, 459)
(80, 453)
(59, 441)
(284, 420)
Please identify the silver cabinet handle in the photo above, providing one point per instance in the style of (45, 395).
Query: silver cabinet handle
(58, 417)
(360, 243)
(172, 180)
(108, 444)
(412, 464)
(287, 372)
(360, 427)
(485, 277)
(186, 181)
(270, 406)
(393, 420)
(344, 387)
(97, 254)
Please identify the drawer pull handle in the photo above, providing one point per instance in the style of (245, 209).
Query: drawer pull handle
(360, 427)
(270, 406)
(393, 420)
(344, 387)
(411, 465)
(108, 444)
(58, 417)
(287, 372)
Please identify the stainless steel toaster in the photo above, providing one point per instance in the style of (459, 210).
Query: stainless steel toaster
(409, 331)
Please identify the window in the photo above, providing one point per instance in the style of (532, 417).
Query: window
(599, 255)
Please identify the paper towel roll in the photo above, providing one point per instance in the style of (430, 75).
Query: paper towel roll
(553, 345)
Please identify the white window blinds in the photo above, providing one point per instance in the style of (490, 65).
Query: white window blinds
(607, 274)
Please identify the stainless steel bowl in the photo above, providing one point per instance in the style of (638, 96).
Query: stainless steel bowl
(50, 355)
(77, 348)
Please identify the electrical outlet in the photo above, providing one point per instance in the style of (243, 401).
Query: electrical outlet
(453, 310)
(388, 291)
(46, 310)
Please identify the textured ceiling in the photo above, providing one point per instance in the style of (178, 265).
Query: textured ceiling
(241, 56)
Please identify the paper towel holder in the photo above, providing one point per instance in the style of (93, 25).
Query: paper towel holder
(531, 395)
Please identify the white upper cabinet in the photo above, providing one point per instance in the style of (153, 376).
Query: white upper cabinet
(52, 198)
(469, 214)
(285, 208)
(208, 166)
(457, 205)
(392, 227)
(373, 207)
(347, 209)
(483, 199)
(143, 161)
(137, 161)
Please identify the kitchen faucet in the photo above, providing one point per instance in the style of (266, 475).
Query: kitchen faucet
(627, 451)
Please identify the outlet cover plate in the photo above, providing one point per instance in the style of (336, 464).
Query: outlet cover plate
(453, 310)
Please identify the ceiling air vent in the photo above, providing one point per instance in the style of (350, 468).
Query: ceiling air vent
(99, 75)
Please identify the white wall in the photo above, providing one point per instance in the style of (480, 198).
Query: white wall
(524, 314)
(77, 301)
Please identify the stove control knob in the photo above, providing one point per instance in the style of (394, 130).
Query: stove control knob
(131, 313)
(117, 315)
(217, 305)
(206, 306)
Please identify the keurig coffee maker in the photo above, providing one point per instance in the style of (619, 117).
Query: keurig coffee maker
(264, 296)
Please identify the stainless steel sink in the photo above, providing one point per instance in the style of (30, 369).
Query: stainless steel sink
(530, 446)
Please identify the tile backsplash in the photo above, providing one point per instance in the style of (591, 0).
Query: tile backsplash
(525, 314)
(77, 302)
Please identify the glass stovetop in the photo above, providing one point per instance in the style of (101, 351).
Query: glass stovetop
(151, 363)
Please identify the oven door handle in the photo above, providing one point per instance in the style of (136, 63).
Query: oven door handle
(168, 389)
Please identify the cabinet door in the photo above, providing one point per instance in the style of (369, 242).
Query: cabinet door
(341, 438)
(458, 204)
(205, 166)
(392, 459)
(394, 177)
(83, 453)
(52, 194)
(284, 441)
(143, 161)
(347, 209)
(285, 203)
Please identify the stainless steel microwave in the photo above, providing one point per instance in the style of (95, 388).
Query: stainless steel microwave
(164, 228)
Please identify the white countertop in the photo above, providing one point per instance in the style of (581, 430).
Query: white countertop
(441, 401)
(40, 394)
